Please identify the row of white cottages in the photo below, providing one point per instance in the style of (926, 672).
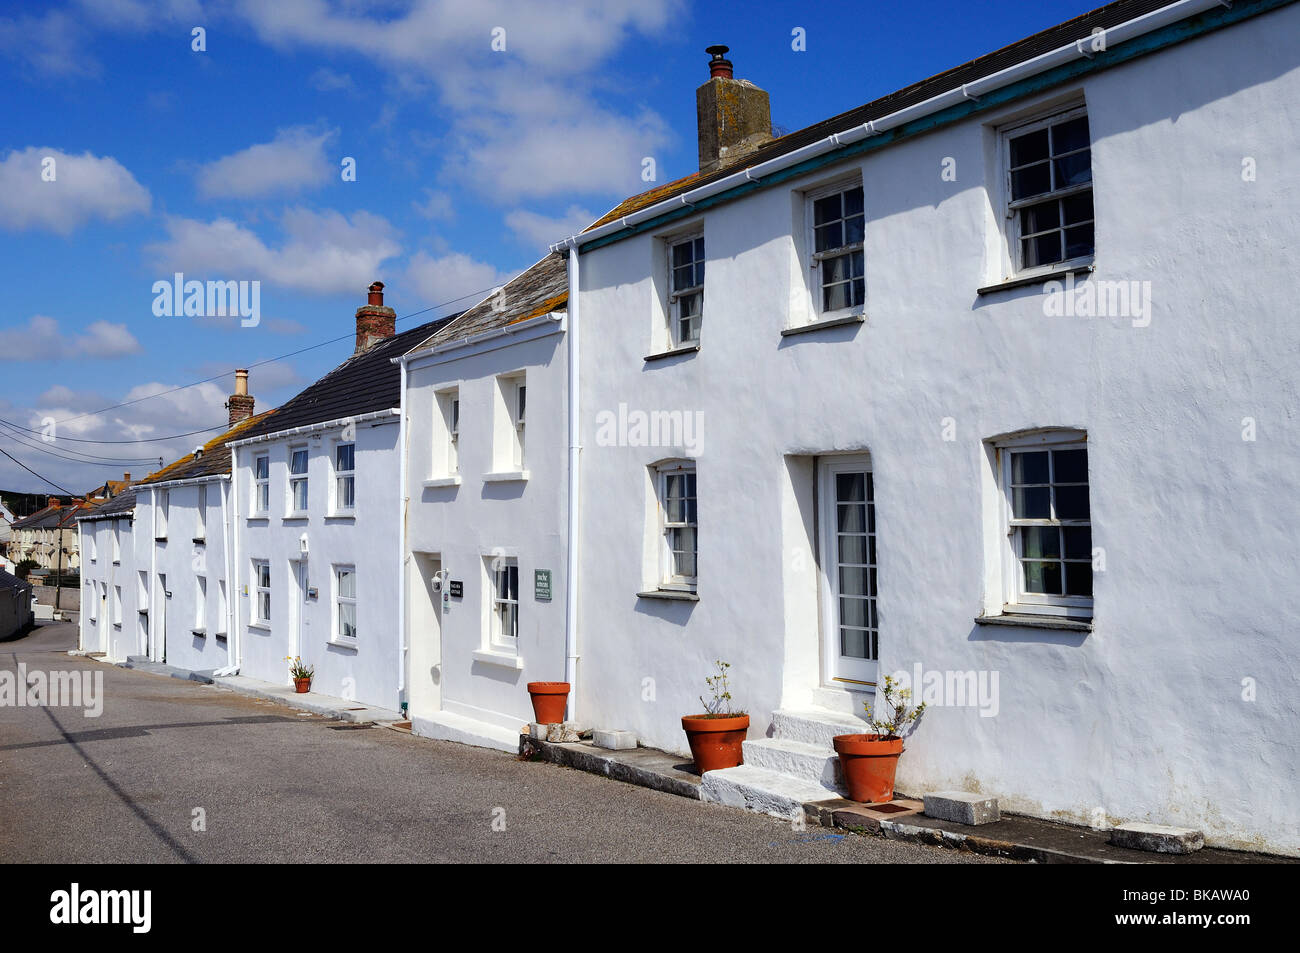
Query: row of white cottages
(991, 382)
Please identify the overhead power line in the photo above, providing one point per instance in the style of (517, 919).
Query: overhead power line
(270, 360)
(88, 458)
(176, 436)
(64, 489)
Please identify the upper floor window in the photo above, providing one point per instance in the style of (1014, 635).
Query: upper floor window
(261, 483)
(344, 477)
(163, 505)
(201, 515)
(679, 525)
(686, 290)
(117, 542)
(837, 219)
(446, 436)
(508, 446)
(298, 479)
(1049, 190)
(1044, 480)
(94, 549)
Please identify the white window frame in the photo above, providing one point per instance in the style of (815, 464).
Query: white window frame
(446, 439)
(669, 578)
(518, 405)
(258, 620)
(94, 547)
(815, 258)
(116, 535)
(1015, 599)
(677, 295)
(299, 478)
(502, 636)
(117, 607)
(201, 518)
(261, 486)
(223, 607)
(162, 505)
(1011, 207)
(200, 603)
(339, 601)
(341, 476)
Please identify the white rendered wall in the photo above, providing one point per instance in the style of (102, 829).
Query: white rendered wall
(368, 671)
(463, 524)
(1143, 718)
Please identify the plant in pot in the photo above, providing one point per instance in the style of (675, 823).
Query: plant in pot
(870, 760)
(549, 701)
(300, 673)
(716, 735)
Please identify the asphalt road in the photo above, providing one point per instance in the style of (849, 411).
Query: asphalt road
(277, 786)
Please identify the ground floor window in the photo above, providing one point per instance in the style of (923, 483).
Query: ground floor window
(851, 641)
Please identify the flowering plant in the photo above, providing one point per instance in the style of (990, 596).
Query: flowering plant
(297, 669)
(901, 713)
(720, 705)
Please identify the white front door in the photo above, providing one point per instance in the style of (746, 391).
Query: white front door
(850, 639)
(297, 601)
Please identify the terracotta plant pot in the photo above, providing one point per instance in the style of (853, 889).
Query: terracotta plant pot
(549, 701)
(302, 685)
(869, 765)
(716, 740)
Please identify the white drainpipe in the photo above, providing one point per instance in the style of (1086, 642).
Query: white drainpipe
(402, 627)
(575, 451)
(1079, 49)
(234, 644)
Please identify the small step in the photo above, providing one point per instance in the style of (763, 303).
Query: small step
(449, 726)
(762, 790)
(814, 726)
(816, 763)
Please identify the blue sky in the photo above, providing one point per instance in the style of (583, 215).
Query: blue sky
(225, 164)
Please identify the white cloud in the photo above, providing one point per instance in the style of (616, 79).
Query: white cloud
(436, 205)
(84, 187)
(50, 45)
(519, 117)
(322, 252)
(540, 231)
(327, 81)
(41, 340)
(293, 161)
(439, 279)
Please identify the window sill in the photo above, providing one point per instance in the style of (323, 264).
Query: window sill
(342, 643)
(1039, 279)
(260, 518)
(672, 352)
(199, 632)
(441, 483)
(506, 476)
(160, 539)
(499, 658)
(118, 626)
(671, 595)
(825, 323)
(117, 562)
(295, 516)
(262, 626)
(340, 517)
(221, 636)
(1028, 620)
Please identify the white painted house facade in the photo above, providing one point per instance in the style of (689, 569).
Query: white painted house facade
(485, 399)
(317, 525)
(997, 385)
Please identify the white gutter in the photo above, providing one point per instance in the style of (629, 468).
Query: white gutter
(1079, 49)
(151, 648)
(404, 637)
(322, 425)
(190, 481)
(503, 331)
(575, 451)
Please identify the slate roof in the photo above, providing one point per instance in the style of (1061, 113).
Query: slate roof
(215, 459)
(1052, 38)
(10, 581)
(49, 517)
(537, 290)
(121, 505)
(362, 384)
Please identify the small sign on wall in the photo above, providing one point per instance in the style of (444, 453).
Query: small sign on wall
(457, 588)
(542, 585)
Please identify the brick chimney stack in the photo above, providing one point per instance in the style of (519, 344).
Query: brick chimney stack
(375, 323)
(240, 403)
(52, 502)
(734, 115)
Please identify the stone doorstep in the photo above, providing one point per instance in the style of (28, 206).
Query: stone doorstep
(1016, 837)
(645, 767)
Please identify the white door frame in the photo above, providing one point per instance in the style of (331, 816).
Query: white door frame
(424, 609)
(297, 602)
(837, 670)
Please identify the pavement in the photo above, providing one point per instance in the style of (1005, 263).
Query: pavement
(180, 771)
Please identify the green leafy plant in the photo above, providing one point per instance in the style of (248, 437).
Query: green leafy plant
(297, 669)
(719, 706)
(24, 568)
(901, 712)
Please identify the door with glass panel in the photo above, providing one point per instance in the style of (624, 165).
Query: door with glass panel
(850, 631)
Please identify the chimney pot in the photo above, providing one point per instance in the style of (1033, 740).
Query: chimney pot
(53, 501)
(241, 381)
(719, 65)
(126, 477)
(376, 295)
